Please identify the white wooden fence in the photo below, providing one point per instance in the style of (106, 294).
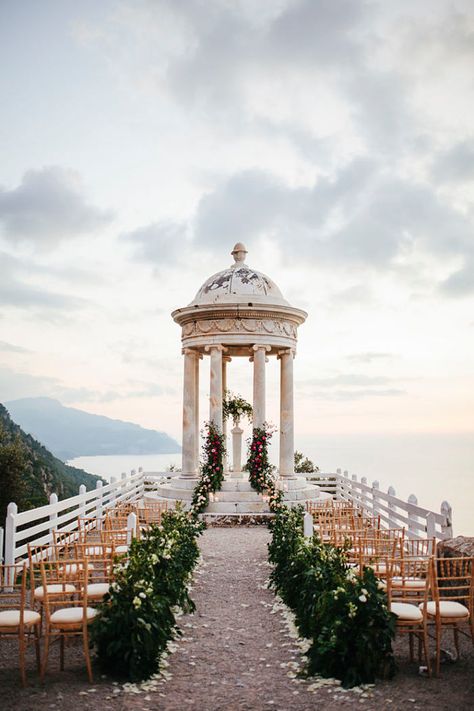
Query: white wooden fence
(394, 512)
(36, 525)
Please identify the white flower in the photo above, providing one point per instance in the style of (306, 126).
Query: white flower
(137, 602)
(364, 591)
(362, 598)
(142, 595)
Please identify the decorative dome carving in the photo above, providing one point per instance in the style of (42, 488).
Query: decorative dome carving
(239, 284)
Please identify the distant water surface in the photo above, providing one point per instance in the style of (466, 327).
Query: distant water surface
(433, 467)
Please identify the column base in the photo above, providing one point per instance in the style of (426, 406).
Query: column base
(183, 478)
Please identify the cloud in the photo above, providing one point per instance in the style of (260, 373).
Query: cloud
(461, 282)
(48, 206)
(348, 386)
(15, 384)
(16, 292)
(455, 165)
(362, 215)
(11, 348)
(368, 357)
(159, 244)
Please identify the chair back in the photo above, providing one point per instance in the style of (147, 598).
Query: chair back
(453, 579)
(13, 589)
(65, 584)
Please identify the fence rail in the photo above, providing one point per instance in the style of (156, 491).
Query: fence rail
(36, 525)
(394, 512)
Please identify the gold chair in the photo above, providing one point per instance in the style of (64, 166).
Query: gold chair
(100, 557)
(66, 615)
(408, 587)
(16, 620)
(453, 600)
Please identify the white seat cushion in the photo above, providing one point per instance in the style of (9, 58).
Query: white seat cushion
(409, 583)
(121, 549)
(67, 588)
(71, 616)
(11, 618)
(97, 589)
(407, 612)
(447, 608)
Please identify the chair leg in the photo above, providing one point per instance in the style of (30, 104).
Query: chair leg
(85, 640)
(410, 641)
(37, 633)
(45, 654)
(61, 652)
(456, 640)
(438, 648)
(22, 659)
(424, 640)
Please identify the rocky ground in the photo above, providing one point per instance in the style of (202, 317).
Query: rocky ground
(236, 653)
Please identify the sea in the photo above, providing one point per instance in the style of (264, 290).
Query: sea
(433, 467)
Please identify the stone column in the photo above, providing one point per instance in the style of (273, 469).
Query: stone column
(215, 400)
(189, 412)
(287, 445)
(196, 409)
(225, 360)
(259, 360)
(237, 433)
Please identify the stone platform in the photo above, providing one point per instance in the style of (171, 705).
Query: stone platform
(237, 495)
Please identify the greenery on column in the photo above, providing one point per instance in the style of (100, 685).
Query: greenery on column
(212, 469)
(260, 470)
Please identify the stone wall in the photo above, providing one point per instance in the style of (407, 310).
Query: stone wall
(456, 547)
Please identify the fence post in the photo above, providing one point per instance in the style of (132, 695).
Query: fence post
(131, 527)
(10, 529)
(123, 484)
(430, 525)
(391, 520)
(308, 525)
(348, 486)
(81, 509)
(447, 526)
(412, 518)
(375, 496)
(113, 493)
(98, 504)
(53, 517)
(365, 508)
(338, 484)
(141, 489)
(355, 492)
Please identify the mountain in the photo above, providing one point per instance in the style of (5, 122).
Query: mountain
(69, 433)
(29, 473)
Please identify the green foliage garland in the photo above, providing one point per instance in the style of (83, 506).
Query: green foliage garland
(260, 470)
(212, 470)
(137, 618)
(343, 614)
(236, 407)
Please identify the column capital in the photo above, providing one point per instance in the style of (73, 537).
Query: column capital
(257, 347)
(215, 346)
(191, 352)
(286, 352)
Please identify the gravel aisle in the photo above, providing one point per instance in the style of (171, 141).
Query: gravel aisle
(236, 655)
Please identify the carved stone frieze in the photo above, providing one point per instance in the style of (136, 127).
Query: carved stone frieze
(240, 326)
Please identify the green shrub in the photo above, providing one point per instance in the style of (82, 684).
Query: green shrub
(137, 618)
(343, 614)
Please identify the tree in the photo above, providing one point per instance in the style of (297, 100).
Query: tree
(13, 461)
(303, 465)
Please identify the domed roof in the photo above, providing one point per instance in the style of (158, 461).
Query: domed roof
(239, 284)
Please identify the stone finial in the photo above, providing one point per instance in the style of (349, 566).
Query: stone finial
(239, 253)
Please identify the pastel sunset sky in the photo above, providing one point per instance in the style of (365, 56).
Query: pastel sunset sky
(141, 139)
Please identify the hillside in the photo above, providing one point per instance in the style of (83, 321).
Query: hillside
(69, 432)
(29, 473)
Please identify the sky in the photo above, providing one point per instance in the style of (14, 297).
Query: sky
(140, 139)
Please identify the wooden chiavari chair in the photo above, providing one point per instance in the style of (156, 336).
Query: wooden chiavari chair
(16, 620)
(408, 586)
(66, 615)
(100, 557)
(452, 605)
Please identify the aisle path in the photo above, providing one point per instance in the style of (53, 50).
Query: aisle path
(237, 654)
